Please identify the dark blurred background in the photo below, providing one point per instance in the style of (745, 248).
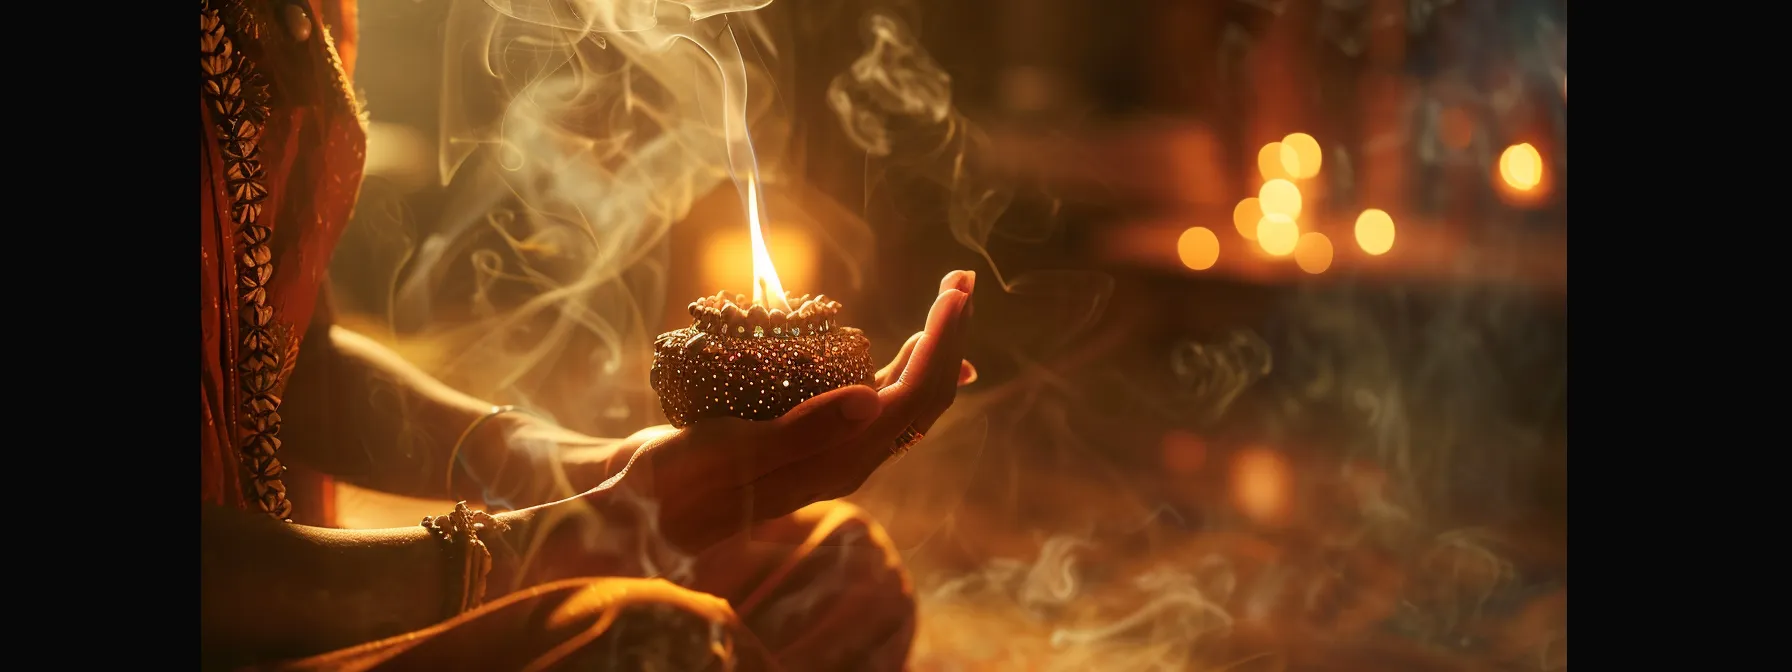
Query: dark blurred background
(1335, 440)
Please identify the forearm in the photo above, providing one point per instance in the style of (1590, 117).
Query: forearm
(276, 590)
(272, 590)
(361, 412)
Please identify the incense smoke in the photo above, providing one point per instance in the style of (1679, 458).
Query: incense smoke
(575, 134)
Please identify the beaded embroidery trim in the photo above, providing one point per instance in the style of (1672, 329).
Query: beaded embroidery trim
(238, 99)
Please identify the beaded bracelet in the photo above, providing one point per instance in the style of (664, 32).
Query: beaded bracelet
(469, 561)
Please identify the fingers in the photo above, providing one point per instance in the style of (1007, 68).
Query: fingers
(728, 452)
(922, 392)
(944, 322)
(967, 373)
(929, 382)
(952, 327)
(888, 374)
(927, 372)
(794, 463)
(964, 281)
(816, 424)
(650, 435)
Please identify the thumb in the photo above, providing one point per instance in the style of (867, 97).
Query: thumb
(649, 434)
(813, 426)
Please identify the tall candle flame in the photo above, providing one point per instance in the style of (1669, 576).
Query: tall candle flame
(767, 290)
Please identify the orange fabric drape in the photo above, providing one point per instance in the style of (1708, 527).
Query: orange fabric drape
(820, 589)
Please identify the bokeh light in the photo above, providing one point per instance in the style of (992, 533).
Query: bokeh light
(1277, 234)
(1375, 231)
(1245, 216)
(1301, 155)
(1199, 248)
(1521, 167)
(1269, 162)
(1261, 485)
(1280, 197)
(1313, 253)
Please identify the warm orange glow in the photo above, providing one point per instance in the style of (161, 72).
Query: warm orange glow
(728, 255)
(1183, 453)
(1199, 248)
(1277, 234)
(1521, 167)
(1269, 162)
(1375, 231)
(1456, 127)
(1301, 155)
(767, 290)
(1313, 253)
(1261, 485)
(1365, 478)
(1245, 217)
(1280, 197)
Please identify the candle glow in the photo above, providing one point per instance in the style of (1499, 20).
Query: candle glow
(768, 291)
(756, 359)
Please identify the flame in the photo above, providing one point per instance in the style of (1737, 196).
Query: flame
(767, 290)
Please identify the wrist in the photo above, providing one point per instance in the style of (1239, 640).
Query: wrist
(586, 461)
(482, 447)
(482, 456)
(509, 550)
(592, 534)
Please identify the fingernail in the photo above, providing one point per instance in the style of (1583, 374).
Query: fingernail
(967, 374)
(969, 282)
(862, 405)
(953, 280)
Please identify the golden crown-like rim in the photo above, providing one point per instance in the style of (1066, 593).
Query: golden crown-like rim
(725, 315)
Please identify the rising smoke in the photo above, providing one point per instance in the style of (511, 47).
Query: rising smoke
(576, 133)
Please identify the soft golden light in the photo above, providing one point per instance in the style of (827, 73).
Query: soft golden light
(1277, 234)
(1280, 197)
(1375, 231)
(1245, 217)
(1269, 162)
(1521, 167)
(767, 290)
(728, 253)
(1261, 485)
(1313, 253)
(1301, 155)
(1456, 127)
(1199, 248)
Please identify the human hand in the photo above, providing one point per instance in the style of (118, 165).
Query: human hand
(716, 477)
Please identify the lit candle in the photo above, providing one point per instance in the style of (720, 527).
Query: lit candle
(756, 358)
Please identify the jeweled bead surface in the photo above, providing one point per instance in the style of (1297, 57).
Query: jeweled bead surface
(726, 365)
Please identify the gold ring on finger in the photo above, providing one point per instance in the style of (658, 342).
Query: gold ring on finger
(910, 436)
